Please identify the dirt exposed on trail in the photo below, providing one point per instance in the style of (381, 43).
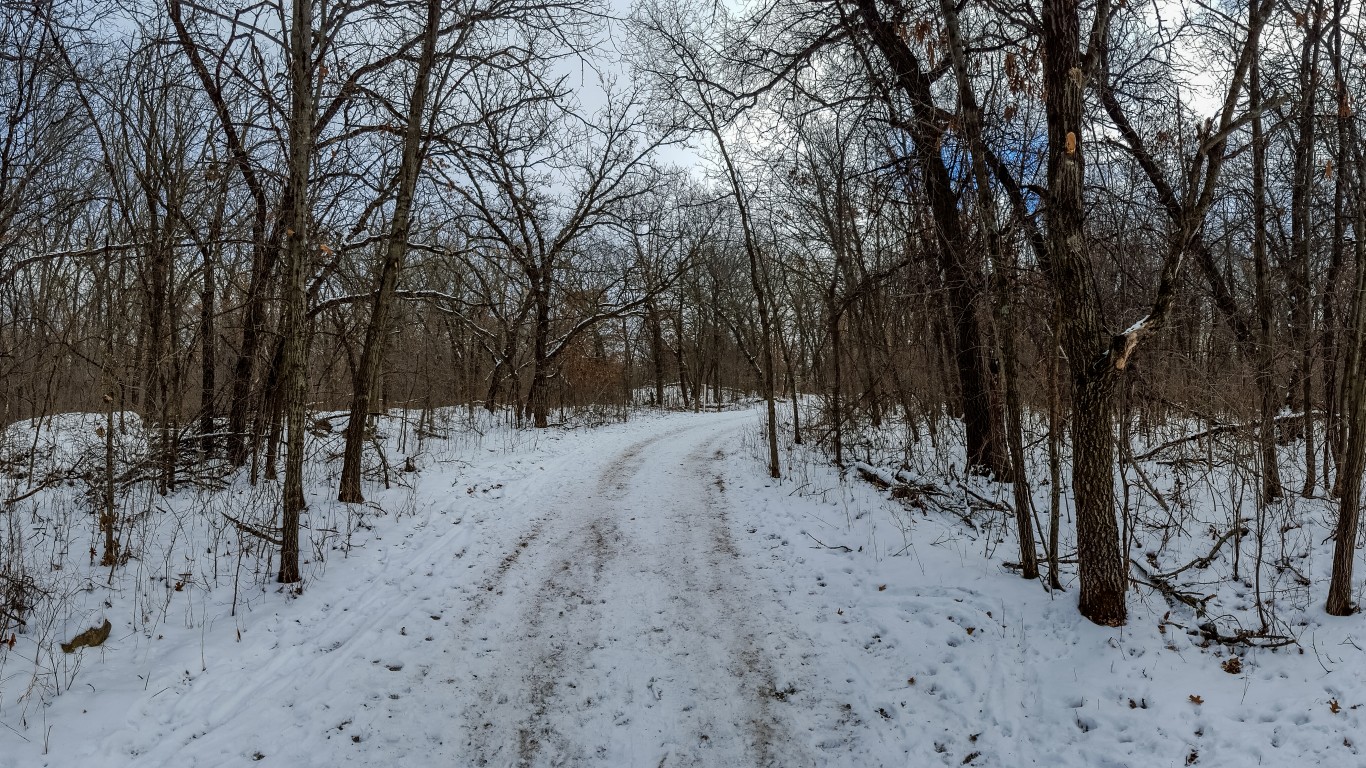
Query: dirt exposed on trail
(627, 632)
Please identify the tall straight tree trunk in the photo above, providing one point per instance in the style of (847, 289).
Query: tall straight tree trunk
(1354, 427)
(395, 252)
(758, 283)
(836, 385)
(1055, 419)
(1333, 448)
(208, 332)
(157, 314)
(1265, 353)
(295, 359)
(1300, 394)
(538, 397)
(1102, 563)
(790, 381)
(986, 202)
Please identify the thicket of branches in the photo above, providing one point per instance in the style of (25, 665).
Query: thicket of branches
(1095, 216)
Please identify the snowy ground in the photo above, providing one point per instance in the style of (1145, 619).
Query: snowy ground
(641, 595)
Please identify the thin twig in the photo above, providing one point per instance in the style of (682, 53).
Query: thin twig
(840, 547)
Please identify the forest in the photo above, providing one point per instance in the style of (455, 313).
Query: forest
(1091, 254)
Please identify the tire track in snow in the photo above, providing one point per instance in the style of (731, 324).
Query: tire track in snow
(342, 649)
(628, 635)
(579, 558)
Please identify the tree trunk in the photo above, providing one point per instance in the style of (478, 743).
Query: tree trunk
(395, 252)
(295, 358)
(1005, 326)
(656, 350)
(962, 276)
(836, 388)
(1265, 353)
(1102, 564)
(208, 333)
(538, 398)
(1354, 459)
(1332, 399)
(1055, 419)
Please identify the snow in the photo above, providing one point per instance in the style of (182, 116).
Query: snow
(641, 594)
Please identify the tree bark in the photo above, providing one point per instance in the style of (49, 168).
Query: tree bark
(1102, 564)
(1265, 352)
(395, 254)
(962, 277)
(656, 350)
(1004, 301)
(1354, 459)
(295, 359)
(538, 397)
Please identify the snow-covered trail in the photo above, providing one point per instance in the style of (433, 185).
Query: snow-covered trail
(585, 600)
(629, 632)
(640, 594)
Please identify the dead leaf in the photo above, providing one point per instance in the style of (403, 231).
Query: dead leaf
(1334, 706)
(1194, 699)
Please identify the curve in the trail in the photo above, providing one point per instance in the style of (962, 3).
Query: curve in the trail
(628, 633)
(595, 611)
